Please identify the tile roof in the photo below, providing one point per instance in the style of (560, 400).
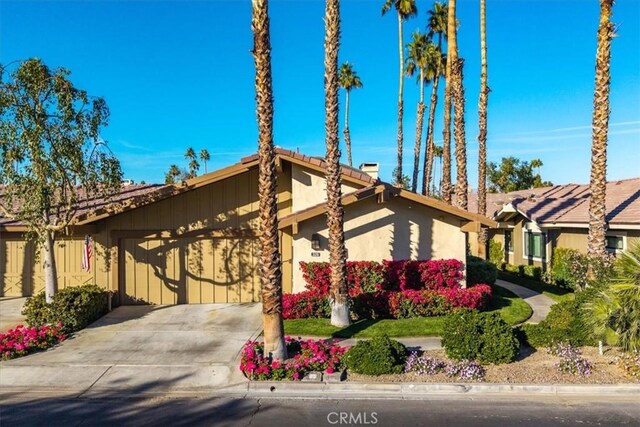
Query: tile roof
(568, 203)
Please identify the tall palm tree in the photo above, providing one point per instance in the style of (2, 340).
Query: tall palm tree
(482, 124)
(457, 95)
(270, 267)
(437, 153)
(348, 79)
(205, 157)
(335, 212)
(417, 61)
(596, 245)
(437, 24)
(190, 155)
(405, 9)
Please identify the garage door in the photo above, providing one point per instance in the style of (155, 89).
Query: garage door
(190, 271)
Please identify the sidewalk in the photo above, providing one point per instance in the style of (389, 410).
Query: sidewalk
(541, 304)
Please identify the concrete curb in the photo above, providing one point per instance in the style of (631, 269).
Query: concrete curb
(423, 390)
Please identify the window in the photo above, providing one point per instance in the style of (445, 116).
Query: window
(508, 241)
(615, 243)
(534, 245)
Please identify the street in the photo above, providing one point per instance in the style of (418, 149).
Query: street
(111, 410)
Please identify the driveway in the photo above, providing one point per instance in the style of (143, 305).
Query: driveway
(145, 348)
(11, 312)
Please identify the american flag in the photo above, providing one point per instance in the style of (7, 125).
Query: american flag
(86, 254)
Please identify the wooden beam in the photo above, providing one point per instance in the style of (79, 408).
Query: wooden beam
(239, 233)
(471, 227)
(76, 230)
(317, 168)
(294, 228)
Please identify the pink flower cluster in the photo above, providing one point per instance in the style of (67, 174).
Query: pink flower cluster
(21, 340)
(304, 356)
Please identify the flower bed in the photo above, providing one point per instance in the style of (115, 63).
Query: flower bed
(21, 340)
(304, 356)
(391, 289)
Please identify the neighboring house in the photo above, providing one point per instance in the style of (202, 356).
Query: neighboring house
(532, 223)
(198, 242)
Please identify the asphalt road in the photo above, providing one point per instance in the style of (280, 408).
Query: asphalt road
(111, 410)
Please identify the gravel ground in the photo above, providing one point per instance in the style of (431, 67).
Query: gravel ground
(532, 367)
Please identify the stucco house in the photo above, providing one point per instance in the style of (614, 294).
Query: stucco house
(532, 223)
(198, 242)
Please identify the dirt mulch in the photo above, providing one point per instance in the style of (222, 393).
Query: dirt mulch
(531, 367)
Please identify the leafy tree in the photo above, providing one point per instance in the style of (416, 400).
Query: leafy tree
(514, 174)
(348, 79)
(406, 181)
(52, 161)
(205, 157)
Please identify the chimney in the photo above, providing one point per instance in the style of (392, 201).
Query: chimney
(370, 169)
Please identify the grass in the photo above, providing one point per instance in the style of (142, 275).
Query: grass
(512, 309)
(556, 293)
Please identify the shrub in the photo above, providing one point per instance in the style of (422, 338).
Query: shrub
(560, 270)
(377, 356)
(441, 274)
(496, 252)
(475, 297)
(564, 323)
(21, 341)
(532, 271)
(73, 307)
(469, 335)
(480, 271)
(410, 303)
(305, 305)
(499, 344)
(512, 268)
(372, 305)
(461, 335)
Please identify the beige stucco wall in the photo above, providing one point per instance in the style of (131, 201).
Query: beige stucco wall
(398, 229)
(308, 188)
(576, 238)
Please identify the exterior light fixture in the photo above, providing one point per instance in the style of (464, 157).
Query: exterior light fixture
(315, 241)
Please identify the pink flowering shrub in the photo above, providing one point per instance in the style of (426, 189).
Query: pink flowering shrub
(441, 274)
(304, 356)
(21, 340)
(305, 305)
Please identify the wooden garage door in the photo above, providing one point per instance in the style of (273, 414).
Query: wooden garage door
(190, 271)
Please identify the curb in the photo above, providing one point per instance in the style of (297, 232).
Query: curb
(277, 389)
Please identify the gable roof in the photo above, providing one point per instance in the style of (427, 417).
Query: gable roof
(365, 193)
(567, 204)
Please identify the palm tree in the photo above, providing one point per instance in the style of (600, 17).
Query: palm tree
(482, 124)
(270, 268)
(437, 153)
(335, 212)
(204, 156)
(172, 174)
(190, 155)
(457, 94)
(437, 24)
(348, 79)
(418, 60)
(405, 9)
(596, 245)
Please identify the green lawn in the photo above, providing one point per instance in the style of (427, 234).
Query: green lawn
(554, 292)
(512, 309)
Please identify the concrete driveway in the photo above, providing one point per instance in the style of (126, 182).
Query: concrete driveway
(144, 348)
(11, 312)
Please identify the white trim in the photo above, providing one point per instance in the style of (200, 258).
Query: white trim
(534, 229)
(586, 226)
(622, 234)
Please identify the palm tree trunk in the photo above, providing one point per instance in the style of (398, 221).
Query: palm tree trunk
(270, 269)
(596, 245)
(347, 135)
(50, 268)
(400, 103)
(482, 135)
(428, 158)
(335, 210)
(448, 94)
(419, 124)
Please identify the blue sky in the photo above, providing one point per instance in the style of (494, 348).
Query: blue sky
(179, 74)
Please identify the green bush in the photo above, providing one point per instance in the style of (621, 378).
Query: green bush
(74, 307)
(499, 343)
(496, 252)
(461, 335)
(480, 271)
(512, 268)
(533, 271)
(560, 270)
(564, 323)
(484, 336)
(377, 356)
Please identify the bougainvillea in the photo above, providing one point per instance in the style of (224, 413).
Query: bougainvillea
(305, 305)
(305, 356)
(21, 340)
